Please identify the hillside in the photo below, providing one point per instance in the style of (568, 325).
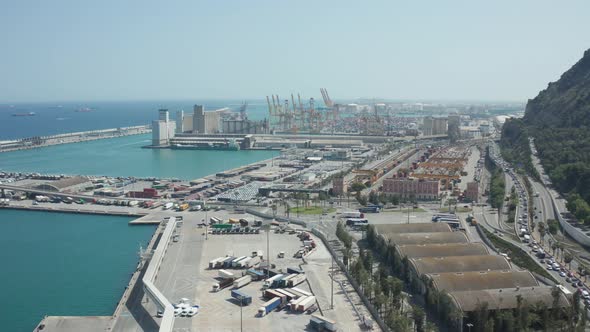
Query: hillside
(559, 120)
(564, 103)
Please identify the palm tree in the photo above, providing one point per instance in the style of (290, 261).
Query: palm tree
(567, 258)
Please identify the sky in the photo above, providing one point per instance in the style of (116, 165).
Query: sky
(144, 50)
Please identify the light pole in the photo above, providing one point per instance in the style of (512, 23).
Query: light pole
(241, 319)
(469, 326)
(332, 291)
(268, 252)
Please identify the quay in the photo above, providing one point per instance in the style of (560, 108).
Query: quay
(92, 135)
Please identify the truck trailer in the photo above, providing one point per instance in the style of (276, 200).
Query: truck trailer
(296, 280)
(243, 281)
(269, 306)
(224, 283)
(225, 274)
(243, 299)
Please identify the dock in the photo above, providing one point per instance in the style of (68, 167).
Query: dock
(83, 136)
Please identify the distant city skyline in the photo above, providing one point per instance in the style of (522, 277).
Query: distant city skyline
(184, 50)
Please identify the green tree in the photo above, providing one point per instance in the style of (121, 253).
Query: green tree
(357, 187)
(567, 258)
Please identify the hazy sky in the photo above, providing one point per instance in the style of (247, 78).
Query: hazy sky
(115, 50)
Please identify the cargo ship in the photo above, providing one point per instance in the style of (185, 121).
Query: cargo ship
(224, 146)
(24, 114)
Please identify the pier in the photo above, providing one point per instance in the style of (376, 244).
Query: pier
(83, 136)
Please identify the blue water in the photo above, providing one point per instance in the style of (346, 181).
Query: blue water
(64, 264)
(57, 118)
(123, 156)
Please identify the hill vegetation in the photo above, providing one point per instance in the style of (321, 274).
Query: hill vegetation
(558, 118)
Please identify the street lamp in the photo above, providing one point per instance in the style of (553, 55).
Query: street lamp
(469, 326)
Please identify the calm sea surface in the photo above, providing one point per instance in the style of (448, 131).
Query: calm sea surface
(64, 264)
(123, 156)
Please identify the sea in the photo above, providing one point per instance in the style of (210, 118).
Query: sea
(65, 117)
(66, 264)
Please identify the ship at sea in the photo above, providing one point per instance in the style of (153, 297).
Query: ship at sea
(24, 114)
(84, 110)
(224, 146)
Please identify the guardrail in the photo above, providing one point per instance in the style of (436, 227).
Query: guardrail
(167, 323)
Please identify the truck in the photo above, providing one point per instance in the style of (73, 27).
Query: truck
(244, 263)
(321, 323)
(243, 299)
(183, 207)
(369, 209)
(255, 274)
(222, 226)
(243, 281)
(296, 280)
(259, 253)
(234, 221)
(215, 220)
(243, 222)
(225, 274)
(351, 214)
(168, 206)
(268, 282)
(224, 283)
(283, 282)
(277, 282)
(269, 306)
(306, 303)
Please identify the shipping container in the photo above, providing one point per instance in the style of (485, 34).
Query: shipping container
(243, 281)
(306, 304)
(243, 299)
(224, 263)
(293, 303)
(271, 293)
(277, 282)
(290, 296)
(300, 291)
(269, 306)
(296, 280)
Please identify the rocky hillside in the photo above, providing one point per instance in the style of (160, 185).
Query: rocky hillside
(565, 103)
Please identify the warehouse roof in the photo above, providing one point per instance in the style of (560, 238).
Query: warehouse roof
(442, 250)
(426, 238)
(427, 265)
(59, 185)
(471, 281)
(413, 228)
(505, 298)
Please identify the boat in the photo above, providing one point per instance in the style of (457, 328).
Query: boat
(24, 114)
(84, 110)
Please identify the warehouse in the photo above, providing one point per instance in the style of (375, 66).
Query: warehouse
(430, 265)
(505, 298)
(442, 250)
(426, 238)
(413, 228)
(474, 281)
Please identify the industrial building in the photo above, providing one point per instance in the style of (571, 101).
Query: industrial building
(417, 188)
(434, 126)
(73, 183)
(442, 261)
(442, 250)
(163, 129)
(472, 191)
